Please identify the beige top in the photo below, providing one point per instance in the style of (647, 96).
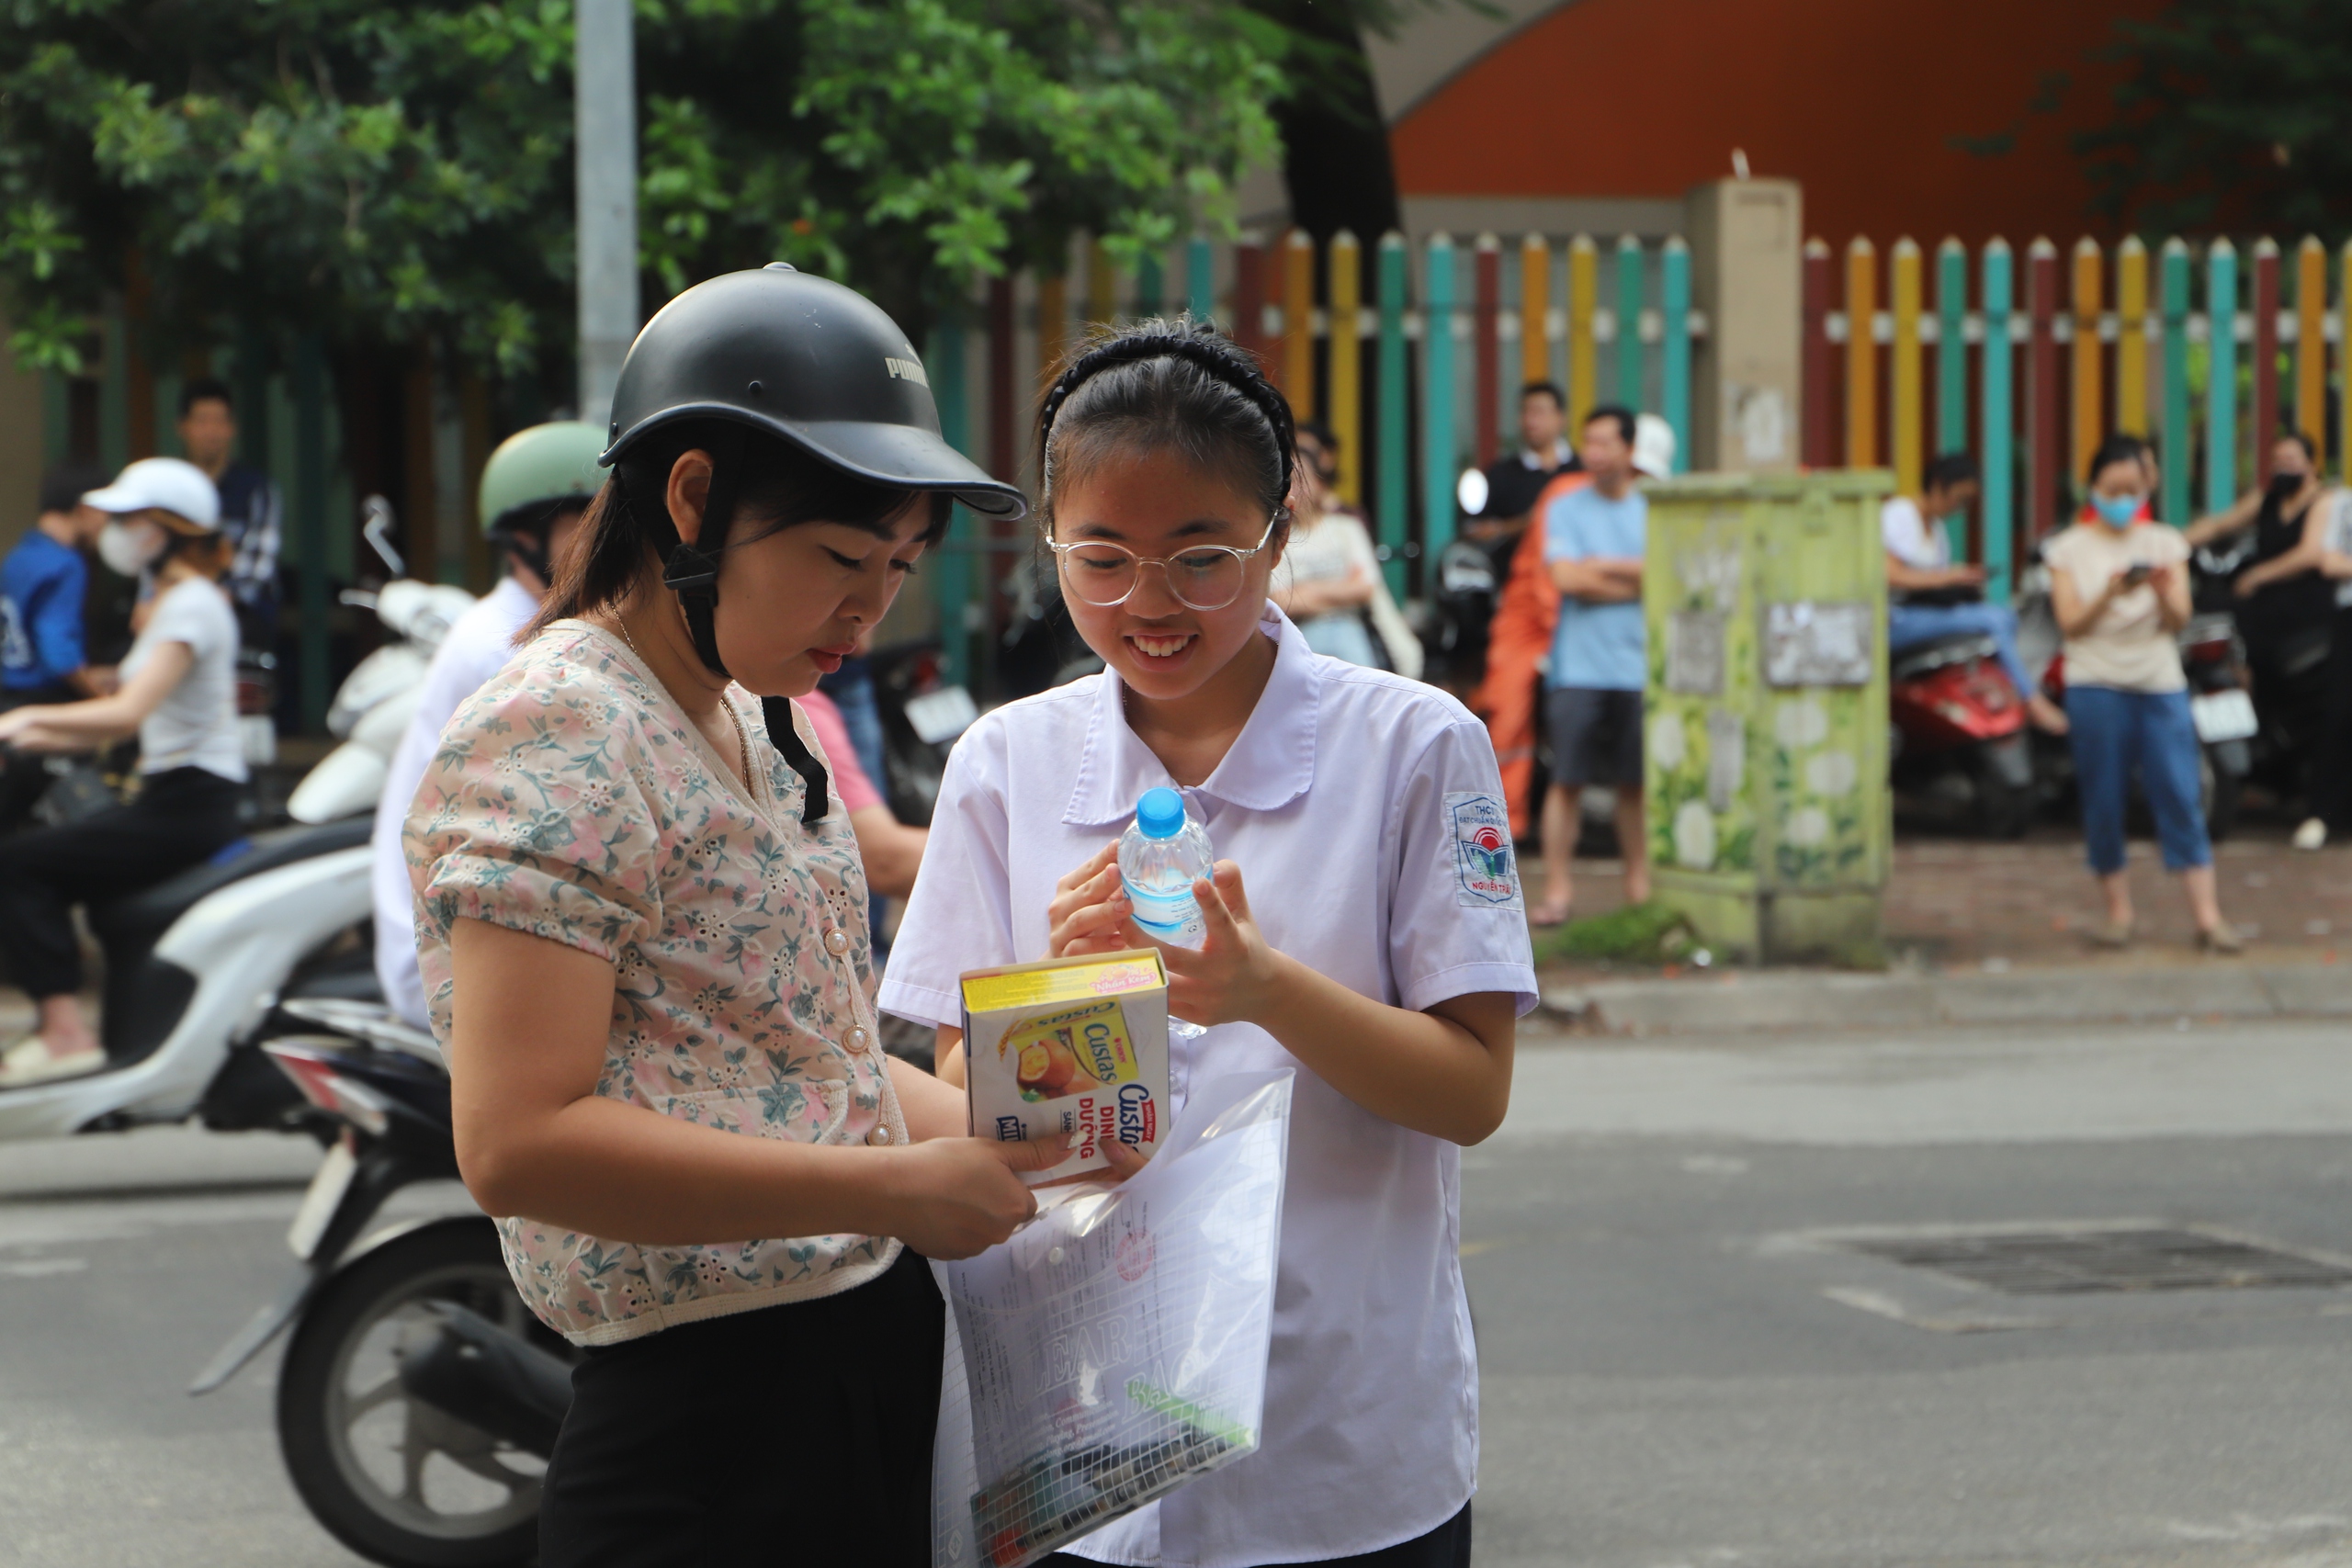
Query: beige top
(2127, 647)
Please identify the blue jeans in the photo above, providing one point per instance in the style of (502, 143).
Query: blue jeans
(1908, 625)
(2115, 732)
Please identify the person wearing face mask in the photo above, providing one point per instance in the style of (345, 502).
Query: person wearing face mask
(2284, 601)
(2119, 591)
(1929, 597)
(178, 695)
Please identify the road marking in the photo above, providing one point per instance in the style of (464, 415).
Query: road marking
(41, 1268)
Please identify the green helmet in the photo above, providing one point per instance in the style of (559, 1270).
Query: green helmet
(536, 470)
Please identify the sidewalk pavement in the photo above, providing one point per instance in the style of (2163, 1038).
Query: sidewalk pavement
(1998, 932)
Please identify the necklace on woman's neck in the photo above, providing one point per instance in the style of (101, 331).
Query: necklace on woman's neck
(742, 736)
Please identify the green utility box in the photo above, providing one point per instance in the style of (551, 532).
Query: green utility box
(1766, 721)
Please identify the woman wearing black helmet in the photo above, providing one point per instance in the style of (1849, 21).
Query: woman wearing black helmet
(641, 929)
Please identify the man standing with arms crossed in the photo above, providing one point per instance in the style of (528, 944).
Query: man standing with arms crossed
(250, 507)
(1593, 540)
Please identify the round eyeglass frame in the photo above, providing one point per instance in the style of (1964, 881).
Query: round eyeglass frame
(1061, 556)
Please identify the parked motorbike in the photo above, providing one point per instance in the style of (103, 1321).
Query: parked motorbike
(2271, 722)
(1960, 732)
(419, 1399)
(373, 705)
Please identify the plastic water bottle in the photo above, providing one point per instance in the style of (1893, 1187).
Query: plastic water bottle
(1160, 856)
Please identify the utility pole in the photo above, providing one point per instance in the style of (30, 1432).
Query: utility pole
(605, 173)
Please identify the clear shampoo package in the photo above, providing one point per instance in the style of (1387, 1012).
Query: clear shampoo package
(1068, 1045)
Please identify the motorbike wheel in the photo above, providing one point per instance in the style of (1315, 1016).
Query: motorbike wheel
(396, 1480)
(2219, 789)
(2004, 806)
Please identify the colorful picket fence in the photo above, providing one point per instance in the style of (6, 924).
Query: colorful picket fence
(2033, 373)
(1348, 340)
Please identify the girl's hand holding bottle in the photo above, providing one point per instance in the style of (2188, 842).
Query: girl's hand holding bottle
(1232, 977)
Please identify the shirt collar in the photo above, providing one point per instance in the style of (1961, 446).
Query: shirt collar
(1271, 765)
(1537, 462)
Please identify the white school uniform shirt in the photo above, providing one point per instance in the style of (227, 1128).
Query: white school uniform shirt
(477, 646)
(1367, 813)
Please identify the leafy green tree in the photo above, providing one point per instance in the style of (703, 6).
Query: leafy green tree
(2232, 113)
(376, 173)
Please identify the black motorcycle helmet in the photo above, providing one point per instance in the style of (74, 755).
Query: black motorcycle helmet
(799, 358)
(795, 356)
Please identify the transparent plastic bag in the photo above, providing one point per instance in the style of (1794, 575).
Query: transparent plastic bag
(1115, 1347)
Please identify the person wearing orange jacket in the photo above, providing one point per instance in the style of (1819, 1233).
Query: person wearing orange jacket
(1518, 638)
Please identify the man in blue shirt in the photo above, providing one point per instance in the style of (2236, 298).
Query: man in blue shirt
(42, 587)
(1593, 539)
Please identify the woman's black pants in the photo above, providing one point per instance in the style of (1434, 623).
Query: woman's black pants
(787, 1435)
(180, 817)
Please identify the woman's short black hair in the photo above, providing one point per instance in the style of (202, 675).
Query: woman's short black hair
(779, 486)
(1168, 385)
(2119, 447)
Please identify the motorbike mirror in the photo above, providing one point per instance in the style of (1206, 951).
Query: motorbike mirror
(377, 532)
(1470, 491)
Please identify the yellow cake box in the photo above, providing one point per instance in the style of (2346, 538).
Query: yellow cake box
(1069, 1044)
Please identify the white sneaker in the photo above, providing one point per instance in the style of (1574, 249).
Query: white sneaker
(2311, 835)
(30, 1061)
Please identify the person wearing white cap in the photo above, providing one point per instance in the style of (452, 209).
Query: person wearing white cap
(178, 695)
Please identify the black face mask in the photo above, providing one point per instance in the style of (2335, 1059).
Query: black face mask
(2284, 486)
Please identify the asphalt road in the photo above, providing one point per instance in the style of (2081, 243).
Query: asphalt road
(1686, 1360)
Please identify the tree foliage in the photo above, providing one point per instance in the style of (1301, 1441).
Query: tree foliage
(2232, 112)
(381, 173)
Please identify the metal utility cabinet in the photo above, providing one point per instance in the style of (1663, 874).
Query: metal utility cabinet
(1765, 740)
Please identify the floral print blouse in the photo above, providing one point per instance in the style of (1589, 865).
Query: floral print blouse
(571, 798)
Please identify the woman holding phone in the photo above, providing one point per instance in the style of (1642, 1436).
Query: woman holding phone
(2120, 588)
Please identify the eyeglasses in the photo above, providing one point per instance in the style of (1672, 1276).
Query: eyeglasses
(1207, 577)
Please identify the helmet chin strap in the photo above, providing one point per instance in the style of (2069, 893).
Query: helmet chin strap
(691, 572)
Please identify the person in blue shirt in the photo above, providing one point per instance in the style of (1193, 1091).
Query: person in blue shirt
(1593, 538)
(43, 583)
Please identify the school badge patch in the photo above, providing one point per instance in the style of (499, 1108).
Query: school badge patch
(1486, 870)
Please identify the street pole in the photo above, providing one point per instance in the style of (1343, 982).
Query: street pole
(604, 117)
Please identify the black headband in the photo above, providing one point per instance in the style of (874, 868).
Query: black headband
(1199, 347)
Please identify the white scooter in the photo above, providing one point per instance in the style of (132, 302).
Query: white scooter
(204, 967)
(371, 710)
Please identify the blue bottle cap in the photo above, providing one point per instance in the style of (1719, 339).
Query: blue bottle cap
(1159, 814)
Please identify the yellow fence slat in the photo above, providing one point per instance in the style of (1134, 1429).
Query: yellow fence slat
(2089, 300)
(1908, 409)
(1861, 354)
(2310, 341)
(1343, 389)
(2131, 336)
(1298, 322)
(1534, 309)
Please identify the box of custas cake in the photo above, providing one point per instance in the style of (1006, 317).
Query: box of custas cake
(1068, 1045)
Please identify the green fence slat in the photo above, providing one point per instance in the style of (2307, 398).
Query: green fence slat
(1395, 498)
(1674, 379)
(2221, 375)
(1200, 280)
(1149, 290)
(1437, 397)
(2177, 444)
(1952, 368)
(2000, 433)
(1629, 322)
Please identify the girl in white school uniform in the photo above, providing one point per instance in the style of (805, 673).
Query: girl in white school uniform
(1365, 930)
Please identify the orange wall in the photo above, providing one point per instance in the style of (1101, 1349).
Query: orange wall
(1857, 99)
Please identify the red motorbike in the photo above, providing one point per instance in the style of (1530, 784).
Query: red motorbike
(1960, 732)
